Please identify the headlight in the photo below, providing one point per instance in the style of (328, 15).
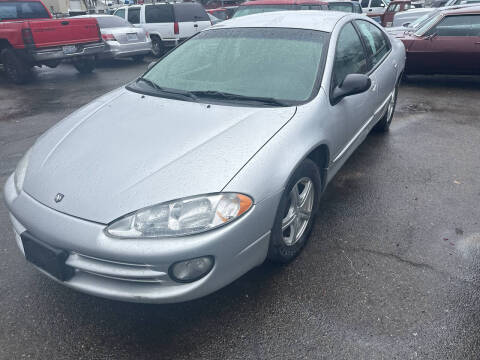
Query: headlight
(20, 171)
(182, 217)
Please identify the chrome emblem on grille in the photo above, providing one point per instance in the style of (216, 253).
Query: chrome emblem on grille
(58, 197)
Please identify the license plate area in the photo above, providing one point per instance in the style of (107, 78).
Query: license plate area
(132, 37)
(46, 257)
(69, 49)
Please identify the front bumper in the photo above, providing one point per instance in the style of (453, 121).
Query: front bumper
(116, 50)
(57, 53)
(137, 270)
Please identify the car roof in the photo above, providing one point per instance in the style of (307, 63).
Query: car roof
(298, 19)
(283, 2)
(466, 9)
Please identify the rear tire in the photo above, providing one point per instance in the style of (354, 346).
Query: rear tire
(16, 69)
(295, 214)
(383, 124)
(158, 48)
(85, 66)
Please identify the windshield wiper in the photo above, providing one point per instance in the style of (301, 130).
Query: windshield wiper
(229, 96)
(169, 91)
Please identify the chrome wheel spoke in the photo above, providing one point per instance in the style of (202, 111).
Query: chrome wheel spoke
(287, 222)
(299, 213)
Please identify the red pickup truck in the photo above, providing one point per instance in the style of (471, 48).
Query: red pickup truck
(29, 36)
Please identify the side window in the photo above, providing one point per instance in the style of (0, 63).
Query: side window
(377, 43)
(364, 3)
(460, 25)
(121, 13)
(357, 8)
(377, 3)
(134, 15)
(190, 12)
(158, 14)
(350, 57)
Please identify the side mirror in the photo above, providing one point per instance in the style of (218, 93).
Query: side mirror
(351, 85)
(152, 64)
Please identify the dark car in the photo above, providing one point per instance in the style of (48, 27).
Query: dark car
(449, 43)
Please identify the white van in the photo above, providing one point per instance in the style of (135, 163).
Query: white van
(167, 24)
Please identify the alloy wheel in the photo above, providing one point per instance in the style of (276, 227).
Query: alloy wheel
(299, 211)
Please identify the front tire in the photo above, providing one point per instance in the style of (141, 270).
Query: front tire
(383, 124)
(16, 69)
(85, 66)
(296, 213)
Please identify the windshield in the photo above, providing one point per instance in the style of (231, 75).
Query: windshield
(255, 9)
(423, 19)
(11, 10)
(245, 63)
(428, 24)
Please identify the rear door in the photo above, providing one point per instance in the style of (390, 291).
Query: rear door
(159, 20)
(191, 19)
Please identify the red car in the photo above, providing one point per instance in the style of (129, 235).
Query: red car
(394, 7)
(220, 13)
(29, 36)
(449, 43)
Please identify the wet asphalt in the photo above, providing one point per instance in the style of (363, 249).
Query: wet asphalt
(391, 270)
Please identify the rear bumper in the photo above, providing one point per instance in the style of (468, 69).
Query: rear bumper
(57, 53)
(114, 49)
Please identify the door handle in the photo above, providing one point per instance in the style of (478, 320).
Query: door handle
(370, 9)
(195, 25)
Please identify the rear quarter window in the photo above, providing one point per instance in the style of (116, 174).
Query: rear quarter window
(189, 12)
(158, 14)
(120, 13)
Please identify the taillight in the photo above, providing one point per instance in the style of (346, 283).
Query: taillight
(176, 31)
(108, 37)
(98, 29)
(27, 37)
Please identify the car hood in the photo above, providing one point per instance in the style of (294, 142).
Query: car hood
(125, 151)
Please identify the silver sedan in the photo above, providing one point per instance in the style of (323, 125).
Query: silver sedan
(122, 39)
(214, 160)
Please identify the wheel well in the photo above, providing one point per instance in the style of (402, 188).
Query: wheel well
(321, 157)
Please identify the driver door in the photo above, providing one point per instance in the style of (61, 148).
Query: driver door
(352, 112)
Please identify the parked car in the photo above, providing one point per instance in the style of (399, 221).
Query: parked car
(261, 6)
(447, 44)
(405, 18)
(122, 39)
(198, 171)
(374, 8)
(168, 24)
(393, 8)
(29, 37)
